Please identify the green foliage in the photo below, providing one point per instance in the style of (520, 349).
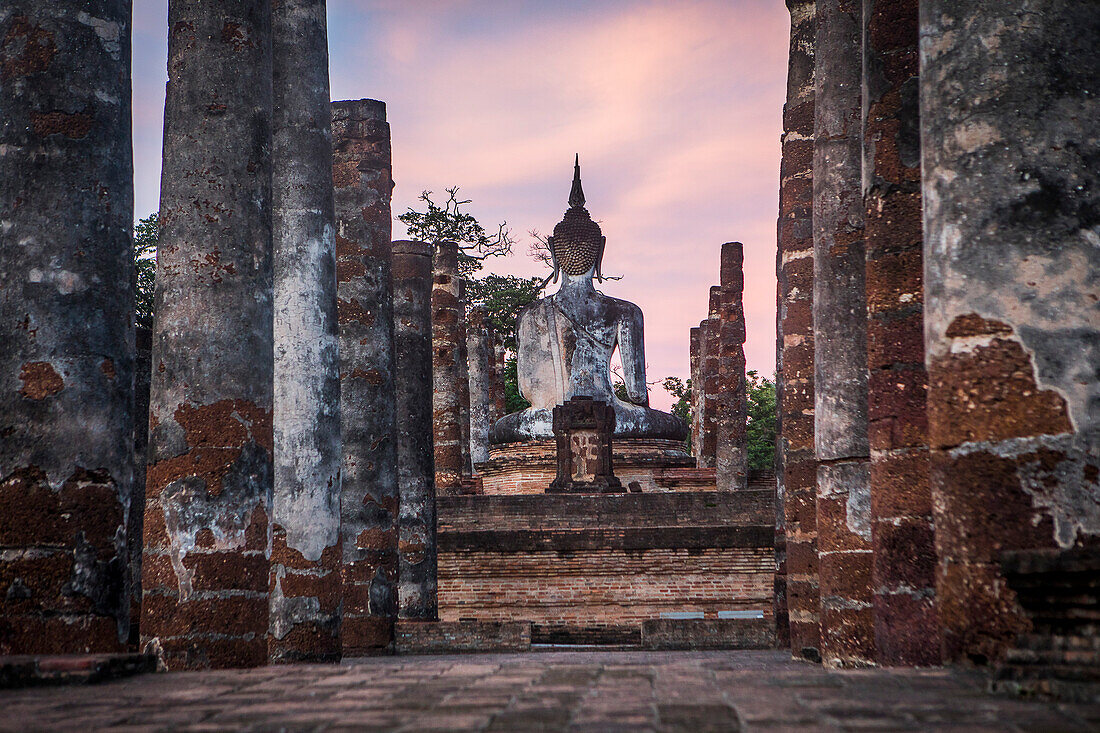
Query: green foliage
(146, 233)
(502, 297)
(447, 222)
(762, 420)
(682, 407)
(513, 400)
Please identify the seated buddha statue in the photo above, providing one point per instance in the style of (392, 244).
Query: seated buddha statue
(566, 341)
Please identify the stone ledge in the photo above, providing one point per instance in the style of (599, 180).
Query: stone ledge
(694, 634)
(628, 538)
(33, 671)
(461, 637)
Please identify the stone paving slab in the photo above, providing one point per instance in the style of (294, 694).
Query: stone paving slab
(545, 691)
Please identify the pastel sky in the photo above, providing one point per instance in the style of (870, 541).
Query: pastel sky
(674, 106)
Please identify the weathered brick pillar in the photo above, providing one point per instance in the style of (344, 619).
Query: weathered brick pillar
(731, 451)
(209, 480)
(840, 342)
(906, 628)
(779, 585)
(447, 374)
(1010, 125)
(711, 377)
(463, 359)
(361, 172)
(795, 274)
(499, 395)
(695, 356)
(66, 326)
(481, 357)
(412, 313)
(305, 554)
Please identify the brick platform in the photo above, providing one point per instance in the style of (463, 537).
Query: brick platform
(576, 691)
(31, 671)
(592, 568)
(451, 637)
(696, 634)
(654, 465)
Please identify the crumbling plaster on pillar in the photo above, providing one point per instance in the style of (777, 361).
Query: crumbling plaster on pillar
(1026, 261)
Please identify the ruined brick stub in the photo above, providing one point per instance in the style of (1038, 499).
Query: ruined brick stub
(583, 432)
(448, 346)
(1010, 119)
(906, 626)
(840, 342)
(66, 326)
(481, 357)
(361, 170)
(209, 478)
(795, 275)
(412, 313)
(710, 372)
(695, 355)
(731, 450)
(305, 561)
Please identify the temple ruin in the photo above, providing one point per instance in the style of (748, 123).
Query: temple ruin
(307, 456)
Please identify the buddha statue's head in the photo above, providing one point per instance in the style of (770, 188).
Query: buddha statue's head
(577, 244)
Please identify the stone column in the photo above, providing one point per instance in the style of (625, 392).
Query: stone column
(906, 628)
(66, 326)
(305, 559)
(481, 358)
(1010, 132)
(209, 480)
(463, 364)
(499, 395)
(795, 274)
(412, 313)
(361, 172)
(711, 374)
(840, 342)
(731, 451)
(447, 318)
(695, 356)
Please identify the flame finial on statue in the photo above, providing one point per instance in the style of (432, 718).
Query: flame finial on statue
(576, 194)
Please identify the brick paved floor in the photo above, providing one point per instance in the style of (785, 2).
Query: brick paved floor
(544, 691)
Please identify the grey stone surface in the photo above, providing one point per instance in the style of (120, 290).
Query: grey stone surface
(368, 501)
(210, 446)
(306, 499)
(66, 299)
(412, 313)
(840, 340)
(566, 341)
(731, 450)
(550, 691)
(448, 368)
(481, 358)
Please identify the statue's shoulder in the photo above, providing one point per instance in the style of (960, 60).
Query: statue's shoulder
(533, 309)
(620, 307)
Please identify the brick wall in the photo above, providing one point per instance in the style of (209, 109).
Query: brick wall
(591, 568)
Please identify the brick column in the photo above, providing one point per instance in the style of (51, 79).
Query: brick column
(305, 559)
(840, 342)
(795, 314)
(731, 451)
(66, 326)
(1010, 125)
(447, 319)
(463, 364)
(500, 398)
(906, 628)
(209, 480)
(711, 376)
(368, 502)
(412, 313)
(481, 358)
(695, 356)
